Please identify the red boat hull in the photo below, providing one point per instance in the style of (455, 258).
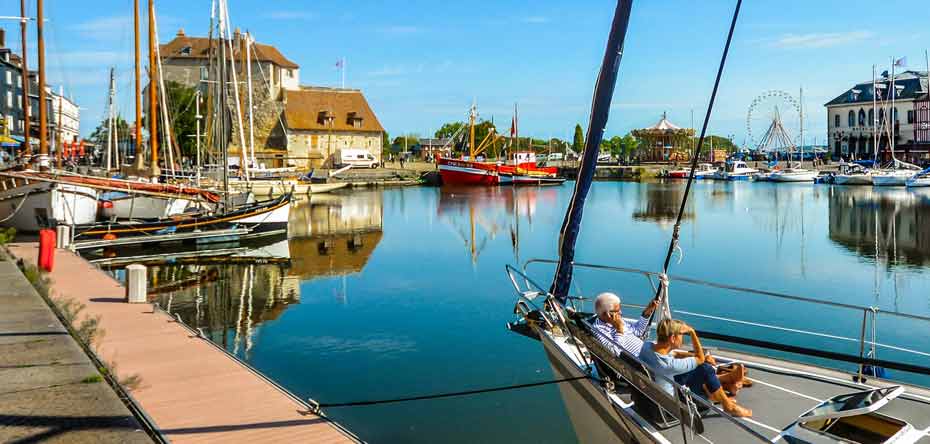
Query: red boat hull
(463, 172)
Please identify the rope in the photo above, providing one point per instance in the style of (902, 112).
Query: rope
(317, 406)
(18, 207)
(673, 244)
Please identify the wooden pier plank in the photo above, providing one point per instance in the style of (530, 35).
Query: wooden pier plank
(193, 391)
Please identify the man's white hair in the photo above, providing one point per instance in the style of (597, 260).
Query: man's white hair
(604, 302)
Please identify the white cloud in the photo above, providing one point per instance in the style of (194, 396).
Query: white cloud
(290, 15)
(820, 39)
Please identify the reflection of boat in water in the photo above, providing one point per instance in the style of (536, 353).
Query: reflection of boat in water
(894, 218)
(659, 202)
(490, 209)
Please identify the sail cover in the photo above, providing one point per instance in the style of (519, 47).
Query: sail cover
(600, 110)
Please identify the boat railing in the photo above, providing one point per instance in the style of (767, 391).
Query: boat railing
(683, 404)
(867, 326)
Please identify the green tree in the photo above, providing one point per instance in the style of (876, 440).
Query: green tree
(614, 146)
(99, 136)
(398, 145)
(578, 142)
(629, 144)
(718, 143)
(181, 110)
(449, 129)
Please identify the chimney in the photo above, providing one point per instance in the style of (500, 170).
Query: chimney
(180, 32)
(2, 38)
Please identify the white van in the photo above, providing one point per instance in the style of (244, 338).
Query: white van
(357, 158)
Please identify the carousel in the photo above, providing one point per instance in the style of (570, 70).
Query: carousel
(665, 141)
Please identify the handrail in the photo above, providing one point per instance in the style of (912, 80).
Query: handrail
(731, 287)
(869, 314)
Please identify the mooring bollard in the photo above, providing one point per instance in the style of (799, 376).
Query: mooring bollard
(64, 236)
(136, 284)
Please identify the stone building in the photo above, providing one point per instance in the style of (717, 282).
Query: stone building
(852, 122)
(186, 60)
(321, 121)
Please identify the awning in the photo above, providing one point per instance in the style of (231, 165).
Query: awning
(7, 141)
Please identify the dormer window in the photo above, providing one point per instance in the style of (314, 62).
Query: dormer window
(325, 116)
(186, 50)
(354, 119)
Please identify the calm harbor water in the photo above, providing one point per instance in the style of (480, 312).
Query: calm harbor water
(402, 292)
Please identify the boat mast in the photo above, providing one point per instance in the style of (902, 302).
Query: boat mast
(43, 107)
(875, 127)
(24, 75)
(110, 122)
(58, 144)
(198, 117)
(600, 110)
(891, 117)
(153, 92)
(138, 91)
(801, 112)
(248, 73)
(471, 139)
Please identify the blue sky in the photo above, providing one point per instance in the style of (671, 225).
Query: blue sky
(421, 63)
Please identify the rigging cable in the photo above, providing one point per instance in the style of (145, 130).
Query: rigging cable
(662, 293)
(317, 405)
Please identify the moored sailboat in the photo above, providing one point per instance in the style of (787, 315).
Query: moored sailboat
(613, 396)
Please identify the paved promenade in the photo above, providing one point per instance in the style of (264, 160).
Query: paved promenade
(193, 391)
(50, 391)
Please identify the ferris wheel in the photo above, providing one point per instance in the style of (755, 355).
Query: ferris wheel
(769, 107)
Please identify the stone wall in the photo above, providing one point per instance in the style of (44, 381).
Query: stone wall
(313, 149)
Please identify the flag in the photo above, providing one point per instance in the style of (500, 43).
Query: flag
(513, 127)
(901, 62)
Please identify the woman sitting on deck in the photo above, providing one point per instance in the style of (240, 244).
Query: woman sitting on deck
(693, 370)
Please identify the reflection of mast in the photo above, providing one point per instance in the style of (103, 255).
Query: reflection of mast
(474, 251)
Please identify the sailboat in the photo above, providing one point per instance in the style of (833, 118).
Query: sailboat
(921, 179)
(616, 398)
(29, 202)
(898, 172)
(792, 174)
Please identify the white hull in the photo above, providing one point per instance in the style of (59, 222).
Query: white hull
(918, 182)
(275, 188)
(276, 216)
(892, 179)
(148, 207)
(45, 202)
(852, 179)
(793, 176)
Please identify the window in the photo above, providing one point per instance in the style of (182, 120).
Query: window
(9, 99)
(910, 116)
(19, 80)
(872, 117)
(881, 115)
(186, 50)
(290, 73)
(861, 117)
(851, 119)
(19, 101)
(9, 77)
(204, 74)
(836, 120)
(895, 115)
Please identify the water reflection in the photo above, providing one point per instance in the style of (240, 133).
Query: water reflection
(659, 203)
(890, 224)
(229, 290)
(477, 215)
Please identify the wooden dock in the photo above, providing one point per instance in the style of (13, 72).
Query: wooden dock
(190, 388)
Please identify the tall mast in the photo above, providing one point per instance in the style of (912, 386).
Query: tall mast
(875, 135)
(138, 90)
(248, 73)
(471, 137)
(24, 73)
(892, 118)
(153, 91)
(110, 123)
(801, 112)
(43, 107)
(58, 144)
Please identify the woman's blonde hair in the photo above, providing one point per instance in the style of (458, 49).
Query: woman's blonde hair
(667, 328)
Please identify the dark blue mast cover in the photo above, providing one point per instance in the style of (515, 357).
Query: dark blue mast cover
(600, 109)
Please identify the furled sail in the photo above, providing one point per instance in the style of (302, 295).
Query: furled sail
(600, 110)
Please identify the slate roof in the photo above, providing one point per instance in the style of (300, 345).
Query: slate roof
(309, 107)
(914, 83)
(200, 49)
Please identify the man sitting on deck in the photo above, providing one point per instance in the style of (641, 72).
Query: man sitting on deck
(616, 332)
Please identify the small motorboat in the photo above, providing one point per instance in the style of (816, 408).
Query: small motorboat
(853, 174)
(793, 175)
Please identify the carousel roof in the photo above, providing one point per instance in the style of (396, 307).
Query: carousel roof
(664, 124)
